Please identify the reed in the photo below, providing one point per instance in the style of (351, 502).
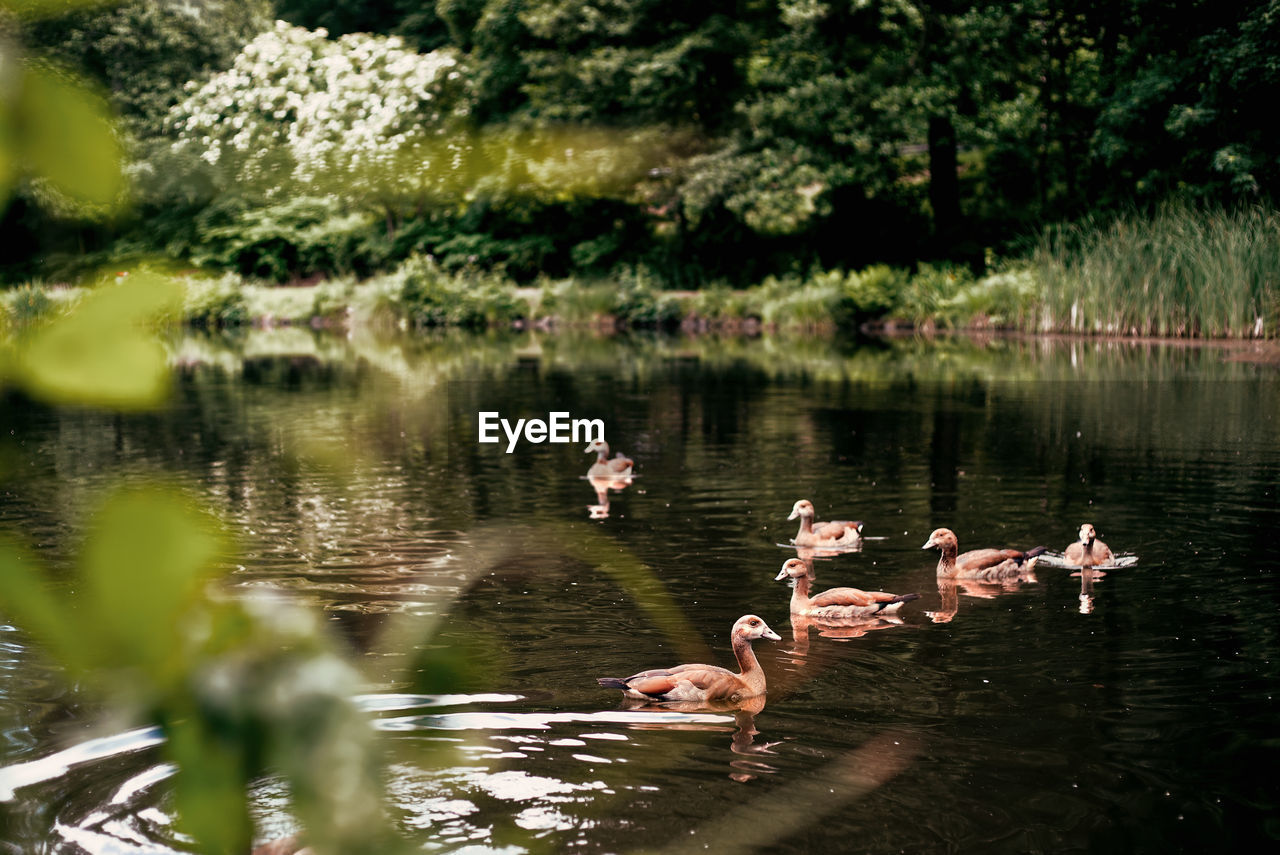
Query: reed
(1181, 272)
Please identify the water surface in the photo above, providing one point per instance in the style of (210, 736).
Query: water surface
(1138, 715)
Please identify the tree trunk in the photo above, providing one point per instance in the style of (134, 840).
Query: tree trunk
(944, 183)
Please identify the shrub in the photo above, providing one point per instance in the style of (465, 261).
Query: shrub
(215, 302)
(332, 300)
(814, 303)
(429, 297)
(1005, 299)
(929, 293)
(28, 304)
(296, 238)
(875, 290)
(718, 303)
(639, 303)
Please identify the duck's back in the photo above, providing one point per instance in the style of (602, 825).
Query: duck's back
(982, 559)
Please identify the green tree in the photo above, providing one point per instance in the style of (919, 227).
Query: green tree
(361, 118)
(144, 52)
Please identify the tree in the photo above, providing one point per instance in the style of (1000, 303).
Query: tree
(145, 51)
(361, 118)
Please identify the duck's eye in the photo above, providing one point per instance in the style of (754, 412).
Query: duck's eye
(755, 623)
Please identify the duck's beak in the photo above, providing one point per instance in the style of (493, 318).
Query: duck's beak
(782, 574)
(795, 512)
(588, 449)
(928, 543)
(771, 635)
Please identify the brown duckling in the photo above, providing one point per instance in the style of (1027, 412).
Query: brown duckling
(830, 533)
(1088, 551)
(704, 682)
(984, 565)
(836, 603)
(619, 467)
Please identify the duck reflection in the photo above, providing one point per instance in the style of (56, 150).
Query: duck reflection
(602, 482)
(748, 763)
(1087, 577)
(950, 587)
(602, 486)
(838, 628)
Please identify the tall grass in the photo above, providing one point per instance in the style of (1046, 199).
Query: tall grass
(1182, 272)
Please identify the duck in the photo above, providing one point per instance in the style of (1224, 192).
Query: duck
(704, 683)
(830, 533)
(836, 603)
(619, 467)
(983, 565)
(1088, 551)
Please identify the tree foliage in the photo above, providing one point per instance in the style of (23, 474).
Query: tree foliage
(832, 132)
(360, 117)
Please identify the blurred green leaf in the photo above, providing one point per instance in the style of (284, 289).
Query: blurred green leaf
(209, 785)
(26, 597)
(64, 134)
(100, 354)
(145, 563)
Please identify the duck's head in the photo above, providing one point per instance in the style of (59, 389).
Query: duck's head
(751, 627)
(597, 446)
(1087, 534)
(802, 508)
(792, 568)
(941, 539)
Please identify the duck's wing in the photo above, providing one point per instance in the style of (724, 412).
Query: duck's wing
(851, 597)
(1074, 554)
(619, 462)
(677, 681)
(835, 529)
(981, 559)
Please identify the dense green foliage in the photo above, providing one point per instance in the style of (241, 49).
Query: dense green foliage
(698, 143)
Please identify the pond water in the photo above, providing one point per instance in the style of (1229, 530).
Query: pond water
(1135, 712)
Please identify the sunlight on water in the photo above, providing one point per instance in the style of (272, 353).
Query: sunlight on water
(59, 764)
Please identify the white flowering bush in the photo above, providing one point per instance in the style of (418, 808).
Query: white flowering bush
(361, 118)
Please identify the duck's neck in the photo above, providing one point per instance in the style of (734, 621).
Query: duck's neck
(947, 561)
(752, 674)
(602, 454)
(799, 593)
(806, 525)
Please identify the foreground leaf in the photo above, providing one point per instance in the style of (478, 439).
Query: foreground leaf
(101, 354)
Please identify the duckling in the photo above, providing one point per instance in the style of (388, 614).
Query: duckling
(704, 682)
(1088, 551)
(984, 565)
(830, 533)
(605, 468)
(836, 603)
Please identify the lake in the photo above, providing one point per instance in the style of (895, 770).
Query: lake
(1132, 713)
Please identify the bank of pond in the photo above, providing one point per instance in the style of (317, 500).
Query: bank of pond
(1179, 274)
